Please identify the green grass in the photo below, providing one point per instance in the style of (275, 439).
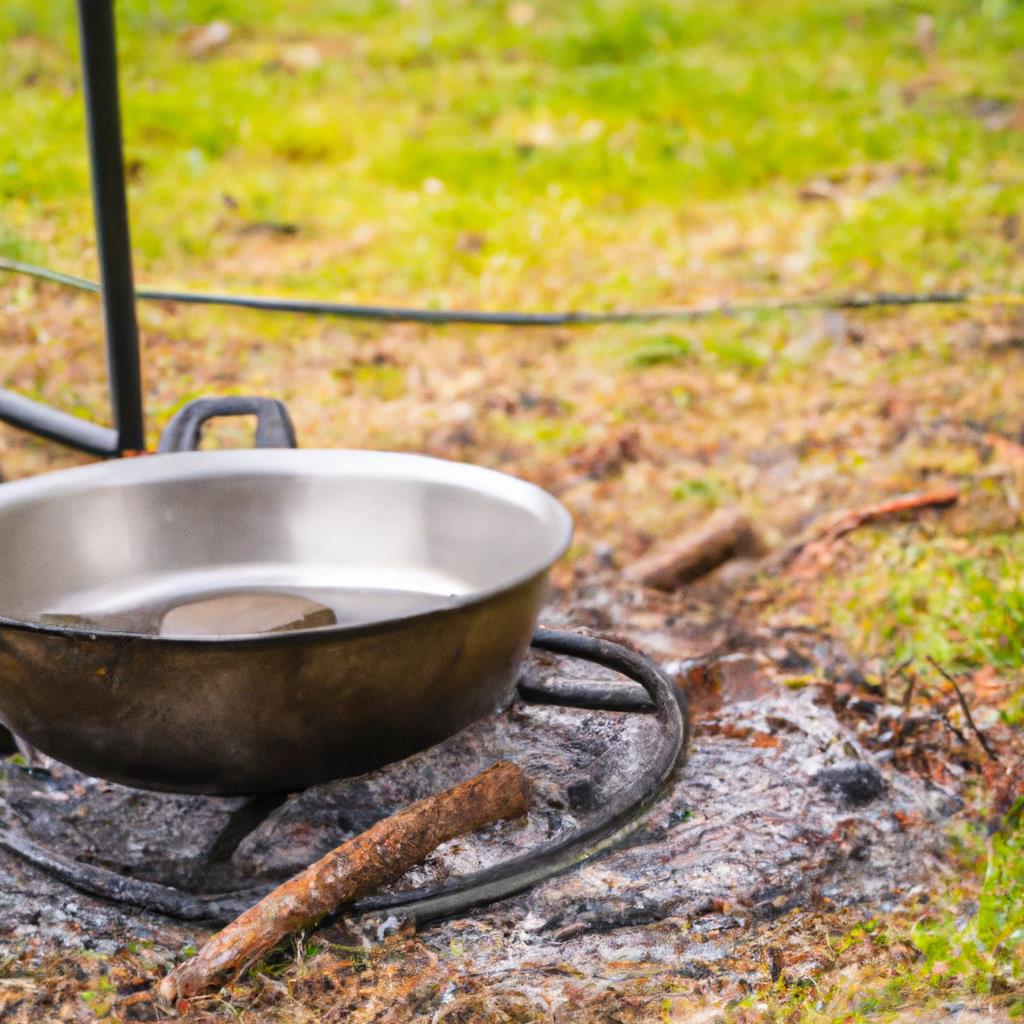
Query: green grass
(982, 950)
(661, 348)
(618, 138)
(923, 598)
(14, 246)
(969, 946)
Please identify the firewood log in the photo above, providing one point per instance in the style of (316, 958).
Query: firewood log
(727, 534)
(383, 853)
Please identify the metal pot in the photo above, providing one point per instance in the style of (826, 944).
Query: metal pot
(434, 572)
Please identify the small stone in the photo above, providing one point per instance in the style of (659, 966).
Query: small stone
(200, 41)
(742, 678)
(582, 795)
(533, 923)
(301, 57)
(856, 784)
(234, 614)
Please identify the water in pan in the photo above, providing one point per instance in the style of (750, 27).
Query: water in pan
(182, 605)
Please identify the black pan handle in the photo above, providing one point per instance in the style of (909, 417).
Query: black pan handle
(274, 427)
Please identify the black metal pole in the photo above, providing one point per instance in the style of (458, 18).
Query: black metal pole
(99, 73)
(56, 425)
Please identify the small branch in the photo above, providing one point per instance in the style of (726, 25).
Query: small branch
(982, 739)
(898, 671)
(908, 693)
(806, 551)
(904, 503)
(382, 854)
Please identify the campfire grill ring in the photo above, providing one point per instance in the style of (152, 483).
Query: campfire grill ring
(621, 813)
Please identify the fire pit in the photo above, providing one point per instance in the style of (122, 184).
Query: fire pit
(780, 808)
(593, 778)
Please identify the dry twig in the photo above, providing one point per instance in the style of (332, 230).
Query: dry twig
(982, 739)
(808, 553)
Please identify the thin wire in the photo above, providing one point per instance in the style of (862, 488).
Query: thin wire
(581, 318)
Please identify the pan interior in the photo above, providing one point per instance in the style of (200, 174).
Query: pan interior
(295, 539)
(247, 599)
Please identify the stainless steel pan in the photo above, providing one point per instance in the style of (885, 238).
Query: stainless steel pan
(428, 574)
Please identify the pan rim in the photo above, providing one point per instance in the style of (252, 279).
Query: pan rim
(549, 510)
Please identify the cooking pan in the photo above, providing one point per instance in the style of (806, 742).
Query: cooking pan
(261, 620)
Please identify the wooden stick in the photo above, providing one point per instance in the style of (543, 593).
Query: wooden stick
(804, 553)
(982, 738)
(379, 855)
(727, 534)
(850, 520)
